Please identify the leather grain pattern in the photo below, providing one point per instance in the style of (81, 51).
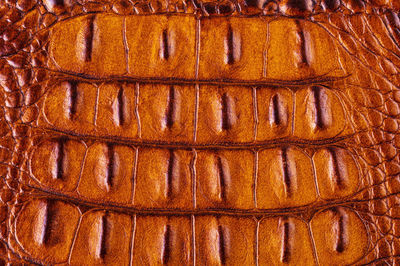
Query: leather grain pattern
(248, 132)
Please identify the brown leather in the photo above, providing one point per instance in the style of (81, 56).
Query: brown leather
(250, 132)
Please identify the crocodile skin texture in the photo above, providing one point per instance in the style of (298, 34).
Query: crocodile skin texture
(215, 132)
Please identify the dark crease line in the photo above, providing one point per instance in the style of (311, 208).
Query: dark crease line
(340, 245)
(170, 115)
(318, 108)
(202, 146)
(222, 81)
(222, 247)
(89, 38)
(49, 220)
(167, 244)
(104, 235)
(121, 106)
(276, 109)
(60, 159)
(303, 45)
(286, 248)
(170, 173)
(165, 47)
(287, 175)
(336, 169)
(110, 165)
(222, 177)
(73, 97)
(52, 195)
(230, 51)
(226, 109)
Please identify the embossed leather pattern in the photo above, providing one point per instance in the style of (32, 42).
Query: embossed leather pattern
(249, 132)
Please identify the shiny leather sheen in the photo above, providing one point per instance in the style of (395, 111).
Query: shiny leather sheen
(249, 132)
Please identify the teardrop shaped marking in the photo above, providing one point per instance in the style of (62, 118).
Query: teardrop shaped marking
(337, 174)
(170, 115)
(104, 236)
(304, 45)
(73, 98)
(227, 112)
(286, 248)
(48, 223)
(277, 116)
(287, 175)
(170, 173)
(232, 47)
(222, 245)
(321, 115)
(110, 165)
(167, 245)
(164, 45)
(222, 178)
(88, 39)
(58, 170)
(341, 230)
(121, 106)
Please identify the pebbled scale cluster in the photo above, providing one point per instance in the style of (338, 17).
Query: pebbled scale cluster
(258, 132)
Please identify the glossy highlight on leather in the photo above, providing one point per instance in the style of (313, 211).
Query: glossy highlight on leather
(157, 132)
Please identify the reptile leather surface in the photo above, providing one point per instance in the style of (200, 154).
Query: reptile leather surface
(189, 132)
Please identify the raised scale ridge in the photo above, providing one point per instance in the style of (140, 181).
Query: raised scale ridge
(189, 132)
